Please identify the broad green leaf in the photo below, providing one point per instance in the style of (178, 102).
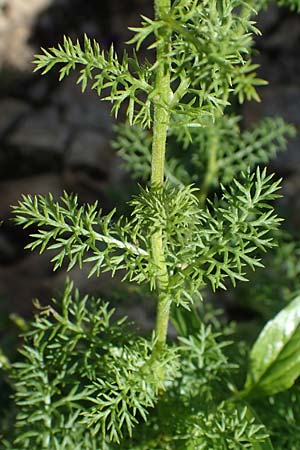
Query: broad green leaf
(275, 356)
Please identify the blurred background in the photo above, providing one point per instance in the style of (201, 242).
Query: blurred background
(53, 138)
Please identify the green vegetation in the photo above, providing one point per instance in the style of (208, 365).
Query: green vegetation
(86, 381)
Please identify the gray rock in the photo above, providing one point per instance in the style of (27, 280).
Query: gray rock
(283, 101)
(8, 250)
(28, 279)
(267, 19)
(16, 21)
(42, 131)
(12, 190)
(91, 150)
(285, 36)
(290, 201)
(88, 166)
(83, 110)
(11, 111)
(276, 100)
(38, 92)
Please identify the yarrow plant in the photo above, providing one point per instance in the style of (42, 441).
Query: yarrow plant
(89, 382)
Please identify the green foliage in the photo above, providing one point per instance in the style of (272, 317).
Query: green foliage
(226, 428)
(82, 373)
(281, 414)
(73, 230)
(237, 150)
(86, 382)
(204, 365)
(210, 53)
(134, 147)
(294, 5)
(130, 390)
(271, 290)
(202, 246)
(230, 233)
(125, 80)
(275, 356)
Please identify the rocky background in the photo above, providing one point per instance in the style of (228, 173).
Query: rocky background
(54, 138)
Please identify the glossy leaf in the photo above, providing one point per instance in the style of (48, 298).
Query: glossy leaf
(275, 356)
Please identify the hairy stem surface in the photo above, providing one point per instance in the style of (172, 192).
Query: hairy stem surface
(160, 128)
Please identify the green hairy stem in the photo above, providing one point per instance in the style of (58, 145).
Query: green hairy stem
(160, 129)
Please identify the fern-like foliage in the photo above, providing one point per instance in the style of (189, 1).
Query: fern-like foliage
(131, 389)
(236, 150)
(84, 380)
(196, 412)
(208, 246)
(210, 55)
(225, 428)
(202, 246)
(204, 365)
(124, 80)
(134, 147)
(73, 231)
(258, 145)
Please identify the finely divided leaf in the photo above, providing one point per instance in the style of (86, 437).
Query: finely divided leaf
(275, 356)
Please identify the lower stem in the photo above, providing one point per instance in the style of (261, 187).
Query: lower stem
(160, 130)
(161, 123)
(163, 301)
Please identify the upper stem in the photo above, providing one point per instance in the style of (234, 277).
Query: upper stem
(161, 8)
(160, 129)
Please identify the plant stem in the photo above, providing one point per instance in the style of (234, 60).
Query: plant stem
(162, 8)
(160, 129)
